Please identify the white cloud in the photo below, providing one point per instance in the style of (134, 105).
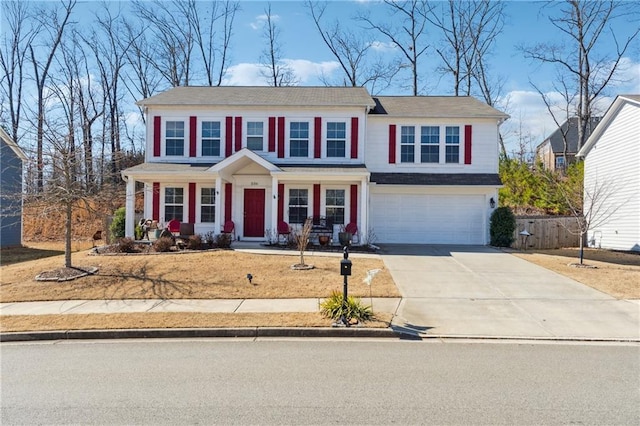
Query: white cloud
(306, 72)
(260, 20)
(383, 47)
(628, 77)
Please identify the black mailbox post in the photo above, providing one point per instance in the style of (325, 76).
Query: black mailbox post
(345, 271)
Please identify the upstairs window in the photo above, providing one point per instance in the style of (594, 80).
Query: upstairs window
(407, 144)
(255, 135)
(210, 138)
(430, 144)
(336, 139)
(207, 205)
(173, 203)
(452, 145)
(299, 139)
(174, 138)
(298, 205)
(335, 206)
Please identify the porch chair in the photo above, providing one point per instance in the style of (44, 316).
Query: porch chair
(352, 228)
(284, 229)
(174, 226)
(229, 228)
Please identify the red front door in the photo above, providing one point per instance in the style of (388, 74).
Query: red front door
(254, 213)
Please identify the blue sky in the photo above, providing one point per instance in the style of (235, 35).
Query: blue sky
(306, 53)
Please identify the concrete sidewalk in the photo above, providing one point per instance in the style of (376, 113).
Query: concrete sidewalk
(70, 307)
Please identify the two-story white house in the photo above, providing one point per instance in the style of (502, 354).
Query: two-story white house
(407, 169)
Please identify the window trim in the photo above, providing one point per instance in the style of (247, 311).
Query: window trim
(345, 207)
(289, 139)
(185, 136)
(327, 139)
(200, 142)
(200, 204)
(452, 144)
(248, 135)
(166, 219)
(309, 190)
(429, 143)
(407, 144)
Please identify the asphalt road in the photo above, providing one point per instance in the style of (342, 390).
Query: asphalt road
(318, 382)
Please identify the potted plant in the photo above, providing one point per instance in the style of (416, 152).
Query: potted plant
(344, 237)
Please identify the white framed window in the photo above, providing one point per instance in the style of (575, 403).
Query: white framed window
(207, 205)
(429, 144)
(174, 138)
(210, 140)
(298, 205)
(452, 144)
(336, 139)
(407, 144)
(335, 201)
(299, 139)
(255, 135)
(173, 203)
(560, 162)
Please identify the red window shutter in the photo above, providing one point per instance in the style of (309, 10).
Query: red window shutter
(316, 200)
(354, 204)
(157, 129)
(192, 202)
(227, 201)
(354, 137)
(228, 136)
(280, 202)
(272, 134)
(156, 201)
(193, 131)
(467, 144)
(280, 137)
(238, 131)
(317, 137)
(392, 143)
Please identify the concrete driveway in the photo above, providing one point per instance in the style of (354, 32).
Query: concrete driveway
(478, 291)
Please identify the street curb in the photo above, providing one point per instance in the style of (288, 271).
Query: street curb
(166, 333)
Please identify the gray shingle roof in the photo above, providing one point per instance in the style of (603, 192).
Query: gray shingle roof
(455, 179)
(570, 127)
(262, 96)
(434, 106)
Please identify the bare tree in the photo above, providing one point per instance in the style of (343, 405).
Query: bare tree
(585, 73)
(353, 51)
(406, 29)
(54, 26)
(274, 69)
(15, 44)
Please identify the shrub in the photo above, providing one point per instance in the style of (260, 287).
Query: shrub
(194, 242)
(333, 308)
(126, 245)
(117, 225)
(163, 244)
(223, 241)
(503, 225)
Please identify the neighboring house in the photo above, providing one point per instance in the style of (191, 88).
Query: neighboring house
(551, 152)
(11, 162)
(405, 169)
(612, 174)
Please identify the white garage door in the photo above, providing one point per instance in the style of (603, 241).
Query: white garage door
(428, 219)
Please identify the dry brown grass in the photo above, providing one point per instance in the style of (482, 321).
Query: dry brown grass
(191, 275)
(173, 320)
(616, 273)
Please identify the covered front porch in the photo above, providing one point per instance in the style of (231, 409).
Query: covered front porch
(253, 193)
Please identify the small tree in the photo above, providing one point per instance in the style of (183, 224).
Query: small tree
(503, 225)
(301, 239)
(117, 226)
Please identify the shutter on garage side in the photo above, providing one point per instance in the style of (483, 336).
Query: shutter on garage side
(157, 128)
(392, 143)
(467, 144)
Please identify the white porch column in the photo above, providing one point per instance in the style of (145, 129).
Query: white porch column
(219, 206)
(130, 209)
(364, 209)
(274, 203)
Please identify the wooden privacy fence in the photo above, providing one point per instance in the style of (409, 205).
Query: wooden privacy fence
(547, 232)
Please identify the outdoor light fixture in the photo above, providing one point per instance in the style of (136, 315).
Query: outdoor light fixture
(492, 203)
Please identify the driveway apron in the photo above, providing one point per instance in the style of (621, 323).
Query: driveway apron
(477, 291)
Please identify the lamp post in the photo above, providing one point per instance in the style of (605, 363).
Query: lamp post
(345, 271)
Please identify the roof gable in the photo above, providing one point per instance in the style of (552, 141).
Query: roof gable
(241, 159)
(608, 117)
(12, 144)
(570, 128)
